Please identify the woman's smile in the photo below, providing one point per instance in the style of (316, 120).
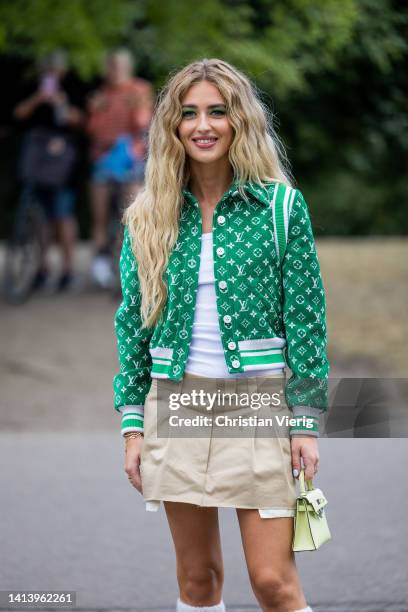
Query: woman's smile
(205, 143)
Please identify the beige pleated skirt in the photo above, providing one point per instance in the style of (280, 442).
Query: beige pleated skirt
(251, 468)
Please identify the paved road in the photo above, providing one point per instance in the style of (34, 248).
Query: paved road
(69, 520)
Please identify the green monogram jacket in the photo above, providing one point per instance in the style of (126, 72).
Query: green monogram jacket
(270, 301)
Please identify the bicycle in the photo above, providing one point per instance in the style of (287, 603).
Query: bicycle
(23, 251)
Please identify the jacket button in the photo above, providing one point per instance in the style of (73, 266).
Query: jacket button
(221, 219)
(220, 251)
(235, 363)
(232, 345)
(227, 319)
(222, 284)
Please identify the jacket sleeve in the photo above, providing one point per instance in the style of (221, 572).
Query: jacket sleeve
(132, 383)
(304, 318)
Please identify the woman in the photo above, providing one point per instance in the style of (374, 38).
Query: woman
(206, 297)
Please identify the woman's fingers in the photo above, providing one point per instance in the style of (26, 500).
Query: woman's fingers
(309, 468)
(132, 464)
(135, 478)
(136, 481)
(296, 467)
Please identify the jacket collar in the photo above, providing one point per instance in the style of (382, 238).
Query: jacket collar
(259, 193)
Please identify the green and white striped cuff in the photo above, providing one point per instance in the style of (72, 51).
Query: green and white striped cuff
(132, 418)
(307, 421)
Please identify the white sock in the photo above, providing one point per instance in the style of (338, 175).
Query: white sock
(183, 607)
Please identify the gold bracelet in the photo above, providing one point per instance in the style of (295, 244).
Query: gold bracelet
(133, 434)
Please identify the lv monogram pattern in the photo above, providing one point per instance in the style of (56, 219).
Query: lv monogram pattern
(269, 312)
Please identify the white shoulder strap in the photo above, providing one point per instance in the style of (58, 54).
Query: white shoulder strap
(281, 204)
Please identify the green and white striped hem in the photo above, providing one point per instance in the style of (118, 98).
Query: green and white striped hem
(262, 353)
(252, 360)
(161, 361)
(161, 367)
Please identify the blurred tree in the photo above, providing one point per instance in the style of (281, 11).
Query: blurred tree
(333, 72)
(84, 28)
(275, 42)
(348, 133)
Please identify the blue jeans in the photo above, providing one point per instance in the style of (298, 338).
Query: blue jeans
(57, 203)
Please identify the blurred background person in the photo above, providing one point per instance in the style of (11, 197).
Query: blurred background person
(49, 152)
(119, 115)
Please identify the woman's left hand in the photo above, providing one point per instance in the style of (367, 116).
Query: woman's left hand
(307, 448)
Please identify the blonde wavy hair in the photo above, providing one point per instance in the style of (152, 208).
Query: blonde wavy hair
(256, 154)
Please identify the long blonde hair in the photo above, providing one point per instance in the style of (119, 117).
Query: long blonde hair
(256, 154)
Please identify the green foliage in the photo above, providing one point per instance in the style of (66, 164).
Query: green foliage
(85, 28)
(274, 42)
(333, 72)
(350, 148)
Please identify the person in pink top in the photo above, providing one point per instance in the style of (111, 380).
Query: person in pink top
(119, 116)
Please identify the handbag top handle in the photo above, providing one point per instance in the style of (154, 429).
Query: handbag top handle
(309, 483)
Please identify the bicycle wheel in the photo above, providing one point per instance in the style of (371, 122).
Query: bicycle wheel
(23, 252)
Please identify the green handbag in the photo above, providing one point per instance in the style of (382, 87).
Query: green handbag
(310, 527)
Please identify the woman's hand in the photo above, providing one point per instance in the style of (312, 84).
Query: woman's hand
(305, 447)
(133, 451)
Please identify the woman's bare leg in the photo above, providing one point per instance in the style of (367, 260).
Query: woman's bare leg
(270, 561)
(100, 196)
(67, 232)
(196, 536)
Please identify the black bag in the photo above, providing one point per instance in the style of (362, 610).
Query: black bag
(47, 158)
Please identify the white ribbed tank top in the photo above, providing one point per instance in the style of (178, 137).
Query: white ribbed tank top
(206, 356)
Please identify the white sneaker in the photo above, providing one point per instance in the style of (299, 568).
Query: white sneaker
(101, 271)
